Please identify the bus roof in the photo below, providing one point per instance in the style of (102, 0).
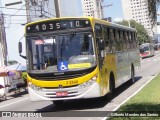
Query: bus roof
(90, 18)
(113, 24)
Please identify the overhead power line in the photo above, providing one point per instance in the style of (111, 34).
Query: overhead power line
(26, 9)
(18, 10)
(17, 15)
(15, 23)
(13, 8)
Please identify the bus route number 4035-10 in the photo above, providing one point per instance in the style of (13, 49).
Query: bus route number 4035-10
(56, 26)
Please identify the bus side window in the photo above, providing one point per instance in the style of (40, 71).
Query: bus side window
(99, 37)
(98, 31)
(112, 40)
(119, 44)
(132, 40)
(107, 40)
(115, 41)
(122, 40)
(125, 39)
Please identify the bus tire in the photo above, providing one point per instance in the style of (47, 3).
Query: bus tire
(58, 102)
(132, 80)
(111, 87)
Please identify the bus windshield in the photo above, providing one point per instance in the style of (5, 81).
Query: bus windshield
(73, 51)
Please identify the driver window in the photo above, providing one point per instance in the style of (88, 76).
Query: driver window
(99, 39)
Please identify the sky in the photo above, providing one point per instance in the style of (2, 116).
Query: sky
(14, 32)
(115, 11)
(69, 10)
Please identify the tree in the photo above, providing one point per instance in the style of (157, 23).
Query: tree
(142, 34)
(12, 62)
(152, 9)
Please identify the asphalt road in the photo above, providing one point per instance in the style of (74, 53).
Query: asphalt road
(92, 108)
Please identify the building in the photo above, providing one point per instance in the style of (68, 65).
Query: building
(138, 11)
(92, 8)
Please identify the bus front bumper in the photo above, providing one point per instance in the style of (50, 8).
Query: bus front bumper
(77, 92)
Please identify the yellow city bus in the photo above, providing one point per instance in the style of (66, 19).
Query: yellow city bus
(76, 58)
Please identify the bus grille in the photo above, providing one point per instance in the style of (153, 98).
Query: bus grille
(72, 92)
(62, 77)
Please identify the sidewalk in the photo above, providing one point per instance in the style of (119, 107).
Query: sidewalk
(18, 93)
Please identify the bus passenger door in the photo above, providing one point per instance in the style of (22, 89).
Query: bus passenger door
(100, 44)
(101, 56)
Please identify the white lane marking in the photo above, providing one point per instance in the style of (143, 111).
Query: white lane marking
(14, 102)
(105, 118)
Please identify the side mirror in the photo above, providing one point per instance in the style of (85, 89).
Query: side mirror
(20, 47)
(20, 50)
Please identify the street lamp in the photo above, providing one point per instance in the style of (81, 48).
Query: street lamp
(129, 24)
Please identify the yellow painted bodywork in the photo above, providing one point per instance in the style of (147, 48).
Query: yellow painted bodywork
(64, 83)
(79, 65)
(108, 67)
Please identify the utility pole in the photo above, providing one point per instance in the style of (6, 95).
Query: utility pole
(3, 33)
(27, 11)
(56, 3)
(26, 5)
(3, 41)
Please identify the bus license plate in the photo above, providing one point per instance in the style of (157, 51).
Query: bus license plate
(61, 93)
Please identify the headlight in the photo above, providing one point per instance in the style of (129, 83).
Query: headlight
(34, 87)
(89, 82)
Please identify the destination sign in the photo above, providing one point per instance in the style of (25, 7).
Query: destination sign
(48, 26)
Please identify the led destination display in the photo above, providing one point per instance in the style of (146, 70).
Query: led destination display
(53, 25)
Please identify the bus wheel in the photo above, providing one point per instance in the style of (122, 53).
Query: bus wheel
(132, 80)
(111, 87)
(58, 102)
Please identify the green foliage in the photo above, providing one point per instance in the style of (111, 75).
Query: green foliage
(24, 75)
(147, 101)
(153, 6)
(142, 34)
